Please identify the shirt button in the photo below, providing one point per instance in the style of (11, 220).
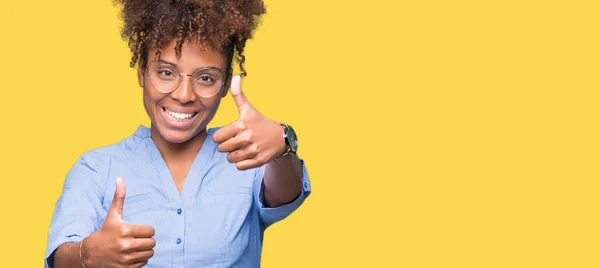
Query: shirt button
(178, 211)
(178, 241)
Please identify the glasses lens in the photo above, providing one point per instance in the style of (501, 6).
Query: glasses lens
(207, 82)
(164, 78)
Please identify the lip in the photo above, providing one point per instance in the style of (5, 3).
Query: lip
(177, 124)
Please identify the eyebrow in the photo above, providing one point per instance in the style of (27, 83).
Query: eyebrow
(175, 65)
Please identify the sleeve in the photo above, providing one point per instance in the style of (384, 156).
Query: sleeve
(78, 211)
(271, 215)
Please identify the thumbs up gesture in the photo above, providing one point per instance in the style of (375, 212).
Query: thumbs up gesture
(252, 140)
(116, 243)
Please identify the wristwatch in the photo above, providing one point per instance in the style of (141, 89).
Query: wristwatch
(290, 138)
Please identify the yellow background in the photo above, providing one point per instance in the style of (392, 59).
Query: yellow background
(436, 133)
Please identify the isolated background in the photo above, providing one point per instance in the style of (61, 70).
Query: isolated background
(436, 133)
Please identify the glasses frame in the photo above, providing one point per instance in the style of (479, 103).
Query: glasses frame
(181, 75)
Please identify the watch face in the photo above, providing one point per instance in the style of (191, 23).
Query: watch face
(292, 139)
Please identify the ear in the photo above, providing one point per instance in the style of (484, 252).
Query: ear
(140, 75)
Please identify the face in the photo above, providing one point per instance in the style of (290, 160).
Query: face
(181, 114)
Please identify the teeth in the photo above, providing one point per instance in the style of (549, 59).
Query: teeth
(180, 116)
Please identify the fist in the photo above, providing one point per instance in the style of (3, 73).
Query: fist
(253, 140)
(116, 243)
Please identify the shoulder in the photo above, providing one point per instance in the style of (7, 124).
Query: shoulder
(101, 157)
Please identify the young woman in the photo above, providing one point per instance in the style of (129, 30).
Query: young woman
(177, 194)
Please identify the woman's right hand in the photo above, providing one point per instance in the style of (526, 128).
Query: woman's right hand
(117, 244)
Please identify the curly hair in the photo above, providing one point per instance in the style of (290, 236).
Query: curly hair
(218, 24)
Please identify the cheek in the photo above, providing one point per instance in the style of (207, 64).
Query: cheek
(213, 106)
(150, 103)
(210, 109)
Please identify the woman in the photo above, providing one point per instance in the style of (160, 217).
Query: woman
(195, 197)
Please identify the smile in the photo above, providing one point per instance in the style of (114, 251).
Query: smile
(178, 117)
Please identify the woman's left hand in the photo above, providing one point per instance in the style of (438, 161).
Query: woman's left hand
(252, 140)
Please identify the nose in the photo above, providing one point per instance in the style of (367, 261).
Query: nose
(184, 93)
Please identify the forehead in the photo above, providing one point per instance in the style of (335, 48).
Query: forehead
(193, 56)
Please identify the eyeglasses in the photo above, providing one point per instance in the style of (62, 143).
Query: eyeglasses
(206, 82)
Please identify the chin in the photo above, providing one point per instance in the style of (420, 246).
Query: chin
(177, 136)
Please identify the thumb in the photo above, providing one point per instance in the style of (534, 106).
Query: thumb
(238, 96)
(116, 208)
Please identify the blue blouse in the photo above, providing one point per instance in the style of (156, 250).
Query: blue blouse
(218, 220)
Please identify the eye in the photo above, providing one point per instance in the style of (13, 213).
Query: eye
(205, 80)
(166, 73)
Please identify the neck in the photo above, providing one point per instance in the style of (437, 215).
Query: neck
(185, 151)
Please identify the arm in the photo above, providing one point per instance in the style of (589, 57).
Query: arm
(67, 255)
(114, 244)
(109, 241)
(280, 185)
(279, 197)
(77, 214)
(283, 181)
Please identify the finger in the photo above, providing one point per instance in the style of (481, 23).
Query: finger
(138, 264)
(235, 143)
(245, 153)
(238, 95)
(142, 231)
(228, 132)
(141, 244)
(139, 256)
(250, 163)
(116, 208)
